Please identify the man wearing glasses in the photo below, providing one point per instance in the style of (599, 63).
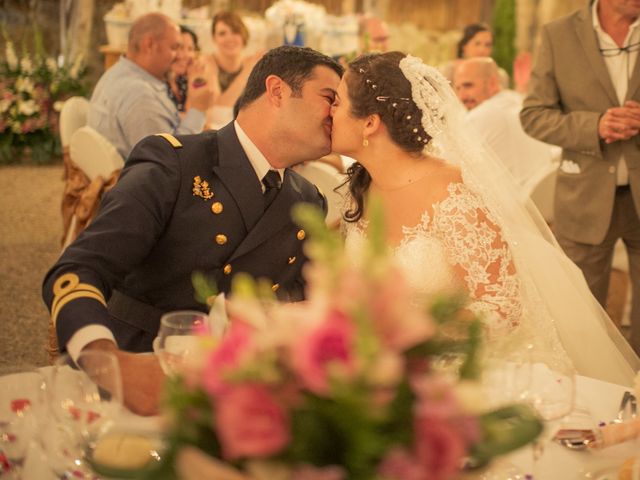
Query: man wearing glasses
(584, 96)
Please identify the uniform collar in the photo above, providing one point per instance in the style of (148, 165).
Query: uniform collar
(258, 161)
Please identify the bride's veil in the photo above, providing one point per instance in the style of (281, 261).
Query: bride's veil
(561, 317)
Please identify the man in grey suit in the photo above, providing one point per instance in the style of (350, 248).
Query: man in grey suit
(216, 202)
(583, 96)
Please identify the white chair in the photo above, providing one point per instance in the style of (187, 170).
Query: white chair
(93, 153)
(543, 189)
(72, 116)
(96, 157)
(326, 178)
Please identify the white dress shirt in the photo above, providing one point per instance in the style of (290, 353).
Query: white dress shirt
(620, 68)
(497, 121)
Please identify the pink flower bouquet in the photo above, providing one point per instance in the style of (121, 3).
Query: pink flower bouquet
(340, 386)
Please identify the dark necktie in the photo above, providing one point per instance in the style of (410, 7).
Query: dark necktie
(271, 182)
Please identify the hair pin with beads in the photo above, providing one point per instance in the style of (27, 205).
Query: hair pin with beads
(382, 98)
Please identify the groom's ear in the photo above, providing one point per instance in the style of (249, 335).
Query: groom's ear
(274, 89)
(371, 124)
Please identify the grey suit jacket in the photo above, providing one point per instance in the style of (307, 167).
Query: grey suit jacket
(570, 89)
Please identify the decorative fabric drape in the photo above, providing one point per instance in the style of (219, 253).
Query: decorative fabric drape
(81, 197)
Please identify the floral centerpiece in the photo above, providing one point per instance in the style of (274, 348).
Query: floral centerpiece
(33, 89)
(342, 386)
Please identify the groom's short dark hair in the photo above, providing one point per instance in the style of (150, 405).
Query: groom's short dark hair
(294, 65)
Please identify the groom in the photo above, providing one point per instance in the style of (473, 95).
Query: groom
(216, 202)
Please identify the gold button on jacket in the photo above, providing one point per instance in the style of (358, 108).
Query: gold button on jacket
(221, 239)
(217, 207)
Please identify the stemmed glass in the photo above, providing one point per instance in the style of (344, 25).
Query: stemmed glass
(86, 403)
(176, 340)
(552, 393)
(506, 378)
(22, 391)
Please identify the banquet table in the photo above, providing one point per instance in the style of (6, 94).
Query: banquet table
(596, 401)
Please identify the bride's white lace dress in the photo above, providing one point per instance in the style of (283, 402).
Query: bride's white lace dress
(460, 245)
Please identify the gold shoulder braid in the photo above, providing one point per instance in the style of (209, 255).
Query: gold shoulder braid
(175, 143)
(201, 188)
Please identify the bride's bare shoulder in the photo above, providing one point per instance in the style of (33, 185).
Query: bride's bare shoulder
(444, 175)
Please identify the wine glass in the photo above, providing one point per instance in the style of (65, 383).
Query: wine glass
(176, 340)
(86, 403)
(552, 393)
(506, 376)
(22, 391)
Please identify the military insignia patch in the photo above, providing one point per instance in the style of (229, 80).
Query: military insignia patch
(201, 188)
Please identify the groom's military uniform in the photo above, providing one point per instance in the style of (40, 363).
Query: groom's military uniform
(185, 204)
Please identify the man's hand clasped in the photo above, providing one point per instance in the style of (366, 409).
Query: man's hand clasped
(620, 123)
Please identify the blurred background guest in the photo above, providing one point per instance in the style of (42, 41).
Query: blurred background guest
(178, 80)
(130, 100)
(230, 66)
(476, 41)
(375, 35)
(494, 114)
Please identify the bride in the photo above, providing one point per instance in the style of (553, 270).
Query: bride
(455, 219)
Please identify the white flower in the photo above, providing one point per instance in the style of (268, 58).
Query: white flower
(51, 64)
(4, 105)
(27, 108)
(12, 59)
(57, 106)
(25, 65)
(24, 84)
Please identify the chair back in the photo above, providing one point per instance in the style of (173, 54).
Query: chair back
(93, 153)
(543, 191)
(72, 116)
(326, 178)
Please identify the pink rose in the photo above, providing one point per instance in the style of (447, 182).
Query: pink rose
(309, 472)
(399, 464)
(250, 423)
(398, 321)
(439, 448)
(436, 397)
(233, 349)
(325, 351)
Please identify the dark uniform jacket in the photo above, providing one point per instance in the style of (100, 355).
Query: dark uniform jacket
(181, 205)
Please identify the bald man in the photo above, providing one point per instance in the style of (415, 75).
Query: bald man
(494, 114)
(130, 100)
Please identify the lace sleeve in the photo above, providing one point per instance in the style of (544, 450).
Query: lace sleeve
(474, 245)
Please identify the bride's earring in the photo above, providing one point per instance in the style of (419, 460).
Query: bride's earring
(365, 142)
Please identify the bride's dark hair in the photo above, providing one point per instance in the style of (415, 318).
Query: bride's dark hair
(376, 85)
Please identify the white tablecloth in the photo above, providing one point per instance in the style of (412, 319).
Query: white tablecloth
(596, 401)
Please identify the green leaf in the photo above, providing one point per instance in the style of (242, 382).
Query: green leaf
(504, 430)
(205, 287)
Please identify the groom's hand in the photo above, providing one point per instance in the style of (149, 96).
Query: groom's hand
(142, 378)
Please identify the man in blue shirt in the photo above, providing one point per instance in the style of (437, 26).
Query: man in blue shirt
(130, 100)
